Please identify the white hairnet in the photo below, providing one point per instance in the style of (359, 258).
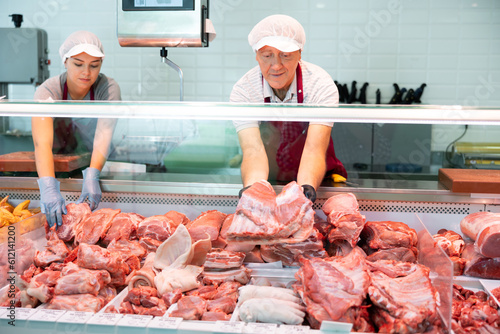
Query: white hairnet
(81, 41)
(279, 31)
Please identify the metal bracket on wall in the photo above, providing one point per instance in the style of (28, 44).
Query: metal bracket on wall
(164, 59)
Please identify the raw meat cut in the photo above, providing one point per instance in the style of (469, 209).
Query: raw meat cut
(241, 275)
(42, 285)
(478, 265)
(215, 316)
(402, 254)
(177, 218)
(222, 304)
(176, 251)
(334, 289)
(223, 259)
(77, 302)
(156, 227)
(98, 258)
(76, 280)
(94, 226)
(262, 217)
(149, 244)
(75, 214)
(450, 242)
(55, 251)
(170, 298)
(343, 214)
(387, 235)
(484, 229)
(206, 292)
(209, 222)
(405, 300)
(289, 253)
(123, 227)
(190, 308)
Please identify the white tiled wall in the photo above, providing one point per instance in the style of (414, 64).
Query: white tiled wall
(451, 45)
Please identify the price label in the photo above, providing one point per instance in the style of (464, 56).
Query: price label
(47, 315)
(289, 329)
(258, 328)
(75, 317)
(165, 323)
(105, 319)
(135, 320)
(229, 327)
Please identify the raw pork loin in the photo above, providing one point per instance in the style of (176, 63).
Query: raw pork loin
(262, 217)
(484, 228)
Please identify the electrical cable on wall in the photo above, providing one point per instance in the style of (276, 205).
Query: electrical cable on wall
(448, 152)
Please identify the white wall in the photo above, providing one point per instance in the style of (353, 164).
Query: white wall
(452, 45)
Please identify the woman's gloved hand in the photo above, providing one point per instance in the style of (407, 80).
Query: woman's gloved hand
(309, 192)
(91, 188)
(51, 201)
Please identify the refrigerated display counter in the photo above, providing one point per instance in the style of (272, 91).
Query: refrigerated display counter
(192, 187)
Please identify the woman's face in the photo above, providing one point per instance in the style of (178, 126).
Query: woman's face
(83, 70)
(278, 68)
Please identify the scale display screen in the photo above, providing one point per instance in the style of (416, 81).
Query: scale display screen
(153, 5)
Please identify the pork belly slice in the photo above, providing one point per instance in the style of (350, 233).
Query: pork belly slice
(55, 251)
(157, 227)
(209, 222)
(262, 217)
(388, 234)
(123, 227)
(241, 275)
(289, 253)
(75, 214)
(404, 296)
(77, 302)
(223, 259)
(334, 288)
(344, 217)
(76, 280)
(94, 226)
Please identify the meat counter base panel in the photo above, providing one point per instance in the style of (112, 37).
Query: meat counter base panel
(108, 261)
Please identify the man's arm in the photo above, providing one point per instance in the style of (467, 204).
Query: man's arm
(312, 167)
(42, 129)
(255, 166)
(102, 141)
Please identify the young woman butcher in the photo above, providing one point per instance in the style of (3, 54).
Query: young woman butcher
(82, 55)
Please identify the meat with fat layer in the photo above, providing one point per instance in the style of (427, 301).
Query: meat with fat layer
(157, 227)
(177, 218)
(334, 288)
(77, 302)
(484, 228)
(478, 265)
(387, 235)
(75, 214)
(55, 251)
(403, 296)
(76, 280)
(209, 222)
(222, 259)
(262, 217)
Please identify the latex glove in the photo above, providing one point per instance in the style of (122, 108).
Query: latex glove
(242, 190)
(91, 188)
(51, 201)
(309, 192)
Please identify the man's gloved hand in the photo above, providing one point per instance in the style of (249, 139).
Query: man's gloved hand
(242, 190)
(51, 201)
(309, 192)
(91, 188)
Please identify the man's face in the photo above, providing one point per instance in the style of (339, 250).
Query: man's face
(277, 67)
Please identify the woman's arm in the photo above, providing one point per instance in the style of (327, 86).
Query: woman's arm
(255, 166)
(102, 141)
(312, 167)
(42, 129)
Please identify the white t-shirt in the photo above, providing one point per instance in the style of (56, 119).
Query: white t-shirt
(318, 88)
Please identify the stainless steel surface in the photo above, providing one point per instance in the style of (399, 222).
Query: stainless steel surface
(23, 55)
(229, 185)
(162, 28)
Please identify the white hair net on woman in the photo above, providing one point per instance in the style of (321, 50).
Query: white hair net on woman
(81, 41)
(279, 31)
